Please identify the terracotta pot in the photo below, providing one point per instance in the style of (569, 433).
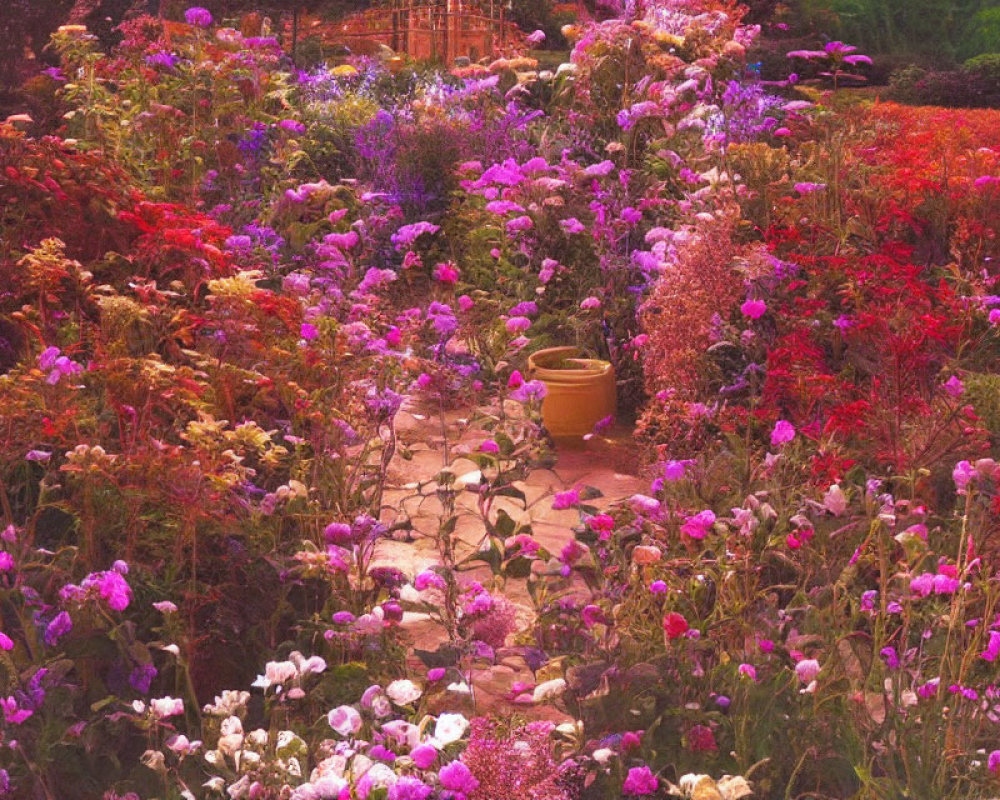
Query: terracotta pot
(581, 391)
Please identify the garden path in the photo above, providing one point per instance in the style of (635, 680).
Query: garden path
(608, 463)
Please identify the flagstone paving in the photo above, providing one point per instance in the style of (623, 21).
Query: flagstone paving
(608, 463)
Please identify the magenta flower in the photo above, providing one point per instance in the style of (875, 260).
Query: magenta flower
(748, 671)
(640, 781)
(446, 272)
(198, 17)
(516, 325)
(993, 762)
(806, 187)
(782, 433)
(753, 309)
(699, 525)
(963, 473)
(993, 648)
(458, 778)
(954, 386)
(567, 499)
(489, 446)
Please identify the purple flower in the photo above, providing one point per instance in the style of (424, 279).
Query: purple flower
(60, 625)
(890, 656)
(658, 587)
(572, 225)
(163, 59)
(37, 455)
(308, 331)
(529, 391)
(993, 762)
(6, 643)
(292, 125)
(640, 780)
(198, 16)
(141, 678)
(408, 234)
(523, 223)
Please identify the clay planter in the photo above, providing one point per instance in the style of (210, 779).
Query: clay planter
(581, 391)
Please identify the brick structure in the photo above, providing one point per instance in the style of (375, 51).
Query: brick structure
(436, 30)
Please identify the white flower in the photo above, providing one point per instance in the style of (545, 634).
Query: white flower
(403, 692)
(603, 756)
(231, 736)
(215, 784)
(166, 707)
(345, 720)
(280, 672)
(450, 728)
(835, 501)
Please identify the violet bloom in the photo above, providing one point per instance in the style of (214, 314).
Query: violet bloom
(60, 625)
(640, 781)
(198, 16)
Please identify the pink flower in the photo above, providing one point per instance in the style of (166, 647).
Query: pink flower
(435, 674)
(963, 473)
(993, 762)
(953, 386)
(489, 446)
(807, 669)
(699, 525)
(640, 780)
(424, 755)
(589, 303)
(783, 433)
(994, 316)
(993, 648)
(564, 500)
(748, 671)
(446, 272)
(517, 325)
(922, 585)
(753, 309)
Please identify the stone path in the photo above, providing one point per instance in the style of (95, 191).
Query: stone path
(608, 463)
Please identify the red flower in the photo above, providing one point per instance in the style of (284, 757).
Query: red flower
(674, 625)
